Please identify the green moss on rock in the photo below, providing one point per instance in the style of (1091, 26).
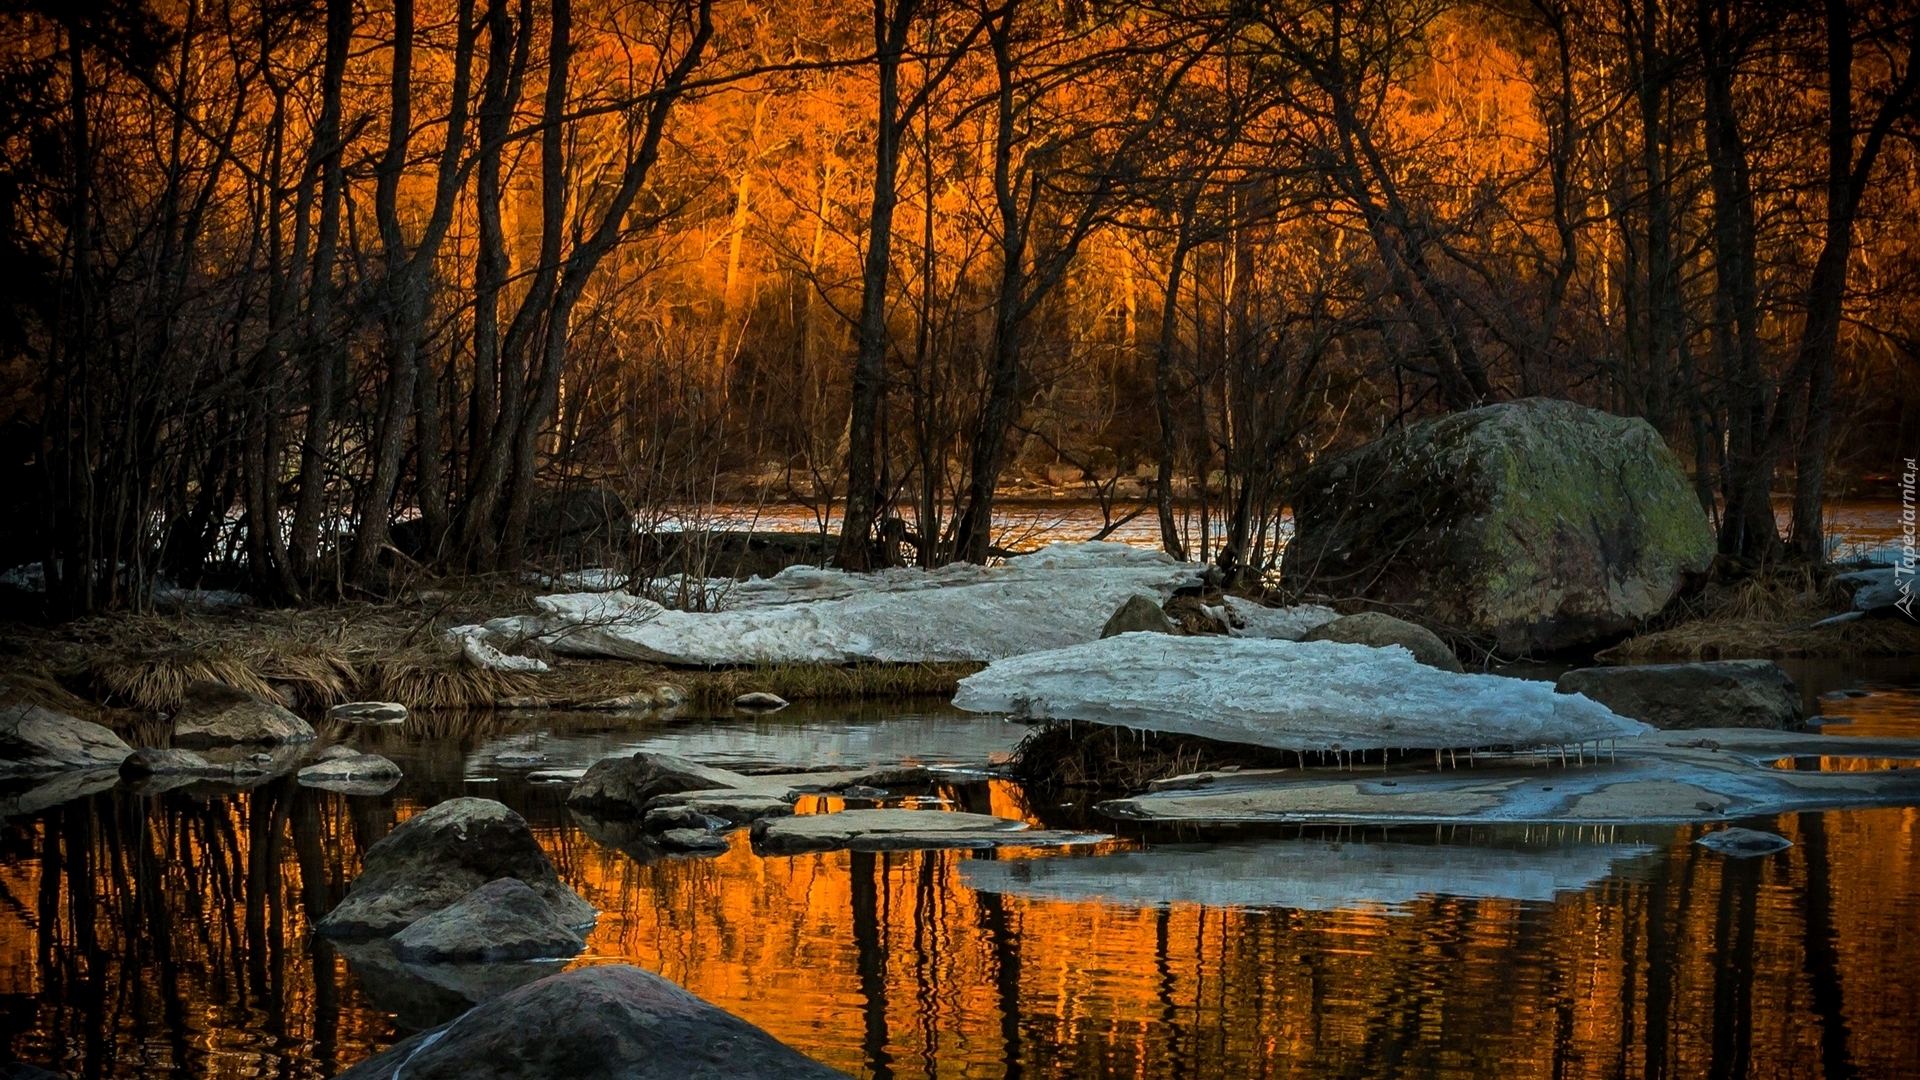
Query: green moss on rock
(1532, 525)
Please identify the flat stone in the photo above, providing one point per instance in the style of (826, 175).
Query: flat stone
(903, 830)
(214, 713)
(436, 857)
(1719, 694)
(369, 712)
(679, 817)
(600, 1022)
(1654, 778)
(165, 761)
(1380, 630)
(501, 920)
(743, 808)
(36, 740)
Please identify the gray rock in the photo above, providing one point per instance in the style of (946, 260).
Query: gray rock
(604, 1022)
(760, 701)
(693, 841)
(638, 700)
(501, 920)
(1719, 694)
(1140, 613)
(1533, 525)
(36, 740)
(163, 761)
(352, 774)
(336, 752)
(625, 785)
(214, 713)
(369, 712)
(1380, 630)
(744, 808)
(1741, 843)
(423, 996)
(440, 855)
(679, 817)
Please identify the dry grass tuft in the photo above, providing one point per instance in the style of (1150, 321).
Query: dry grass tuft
(1761, 614)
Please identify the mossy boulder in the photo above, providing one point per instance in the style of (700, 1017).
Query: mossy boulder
(1531, 526)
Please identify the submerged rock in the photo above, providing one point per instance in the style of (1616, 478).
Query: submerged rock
(436, 857)
(1718, 694)
(369, 712)
(214, 713)
(1378, 630)
(624, 785)
(36, 740)
(760, 701)
(1533, 525)
(1303, 696)
(1139, 614)
(501, 920)
(1741, 843)
(694, 841)
(23, 795)
(423, 996)
(900, 830)
(604, 1022)
(1310, 875)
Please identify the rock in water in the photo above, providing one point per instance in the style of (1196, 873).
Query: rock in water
(440, 855)
(369, 712)
(624, 786)
(353, 774)
(1140, 613)
(1720, 694)
(1320, 696)
(1534, 525)
(1741, 843)
(36, 740)
(605, 1022)
(1378, 630)
(760, 701)
(214, 713)
(501, 920)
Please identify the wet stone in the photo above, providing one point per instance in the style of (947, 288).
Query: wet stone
(693, 840)
(214, 713)
(369, 712)
(501, 920)
(1741, 843)
(760, 701)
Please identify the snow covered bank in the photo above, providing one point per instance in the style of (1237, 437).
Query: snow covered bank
(1059, 596)
(1308, 875)
(1319, 696)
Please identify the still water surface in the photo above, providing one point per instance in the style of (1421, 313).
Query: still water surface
(168, 935)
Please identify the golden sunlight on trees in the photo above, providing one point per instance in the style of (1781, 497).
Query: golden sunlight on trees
(302, 293)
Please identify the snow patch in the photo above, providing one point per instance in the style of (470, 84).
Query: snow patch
(1250, 620)
(1061, 595)
(1319, 696)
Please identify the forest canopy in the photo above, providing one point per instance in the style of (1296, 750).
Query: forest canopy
(298, 292)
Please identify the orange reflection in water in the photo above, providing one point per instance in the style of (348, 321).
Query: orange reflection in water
(140, 935)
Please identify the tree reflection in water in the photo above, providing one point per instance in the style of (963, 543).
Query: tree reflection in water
(168, 935)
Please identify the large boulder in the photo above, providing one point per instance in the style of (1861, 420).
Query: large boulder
(501, 920)
(1533, 525)
(1720, 694)
(624, 785)
(1379, 630)
(605, 1022)
(212, 714)
(36, 740)
(438, 856)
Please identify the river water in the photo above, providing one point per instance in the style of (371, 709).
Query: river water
(167, 935)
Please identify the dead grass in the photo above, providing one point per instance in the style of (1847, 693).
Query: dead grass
(1762, 614)
(120, 670)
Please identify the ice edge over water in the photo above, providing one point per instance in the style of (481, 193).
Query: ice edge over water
(1304, 696)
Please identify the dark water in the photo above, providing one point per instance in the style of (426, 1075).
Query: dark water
(168, 935)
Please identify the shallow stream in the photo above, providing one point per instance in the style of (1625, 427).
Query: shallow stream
(168, 935)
